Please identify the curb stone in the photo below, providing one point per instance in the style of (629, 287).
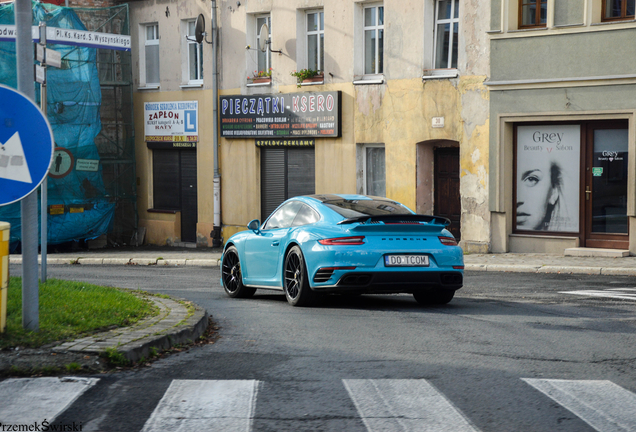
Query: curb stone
(169, 329)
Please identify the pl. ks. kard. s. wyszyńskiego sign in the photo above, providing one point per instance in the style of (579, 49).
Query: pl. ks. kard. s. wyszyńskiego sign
(26, 146)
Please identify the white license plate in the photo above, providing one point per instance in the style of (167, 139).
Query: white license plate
(406, 261)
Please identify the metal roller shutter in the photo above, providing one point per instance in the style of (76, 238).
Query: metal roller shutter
(285, 173)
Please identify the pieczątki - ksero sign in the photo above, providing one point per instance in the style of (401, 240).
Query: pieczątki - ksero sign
(171, 121)
(291, 115)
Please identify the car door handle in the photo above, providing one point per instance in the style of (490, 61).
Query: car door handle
(276, 243)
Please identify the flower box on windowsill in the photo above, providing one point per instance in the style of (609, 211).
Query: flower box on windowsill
(259, 81)
(314, 80)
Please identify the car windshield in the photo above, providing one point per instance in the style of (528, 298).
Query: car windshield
(366, 207)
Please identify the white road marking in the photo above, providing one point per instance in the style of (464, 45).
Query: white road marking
(205, 405)
(603, 405)
(25, 401)
(405, 405)
(602, 293)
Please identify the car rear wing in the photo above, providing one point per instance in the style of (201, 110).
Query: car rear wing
(401, 219)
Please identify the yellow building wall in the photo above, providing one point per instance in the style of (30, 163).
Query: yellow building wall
(398, 114)
(165, 228)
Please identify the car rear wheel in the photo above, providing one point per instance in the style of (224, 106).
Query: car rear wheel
(231, 275)
(436, 297)
(297, 288)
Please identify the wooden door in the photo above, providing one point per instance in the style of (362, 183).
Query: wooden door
(605, 186)
(447, 199)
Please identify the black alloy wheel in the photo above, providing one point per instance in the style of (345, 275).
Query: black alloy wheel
(231, 275)
(296, 283)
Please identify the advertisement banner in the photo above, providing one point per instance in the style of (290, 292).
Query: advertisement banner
(547, 178)
(171, 121)
(291, 115)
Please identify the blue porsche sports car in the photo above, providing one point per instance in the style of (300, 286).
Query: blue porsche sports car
(344, 244)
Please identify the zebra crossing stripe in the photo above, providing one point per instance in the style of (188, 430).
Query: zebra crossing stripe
(405, 405)
(603, 405)
(614, 294)
(205, 405)
(29, 400)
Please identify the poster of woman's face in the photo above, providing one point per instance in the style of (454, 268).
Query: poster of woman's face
(548, 166)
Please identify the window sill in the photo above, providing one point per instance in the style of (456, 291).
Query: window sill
(259, 84)
(149, 87)
(187, 86)
(618, 21)
(440, 74)
(369, 79)
(153, 210)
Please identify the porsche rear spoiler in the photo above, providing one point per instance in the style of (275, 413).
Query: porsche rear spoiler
(401, 219)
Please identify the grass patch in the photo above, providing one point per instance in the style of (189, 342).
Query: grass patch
(71, 309)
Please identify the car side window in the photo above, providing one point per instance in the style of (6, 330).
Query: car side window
(284, 216)
(306, 215)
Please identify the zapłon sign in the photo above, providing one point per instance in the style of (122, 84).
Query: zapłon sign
(171, 121)
(291, 115)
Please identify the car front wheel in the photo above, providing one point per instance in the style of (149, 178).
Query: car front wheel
(436, 297)
(231, 275)
(297, 288)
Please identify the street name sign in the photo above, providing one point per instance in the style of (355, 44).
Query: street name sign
(55, 35)
(26, 146)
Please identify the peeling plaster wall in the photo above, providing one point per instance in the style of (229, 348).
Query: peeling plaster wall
(397, 113)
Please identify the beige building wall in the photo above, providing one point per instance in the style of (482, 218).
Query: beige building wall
(398, 112)
(165, 227)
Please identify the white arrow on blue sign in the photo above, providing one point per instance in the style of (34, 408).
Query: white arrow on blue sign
(26, 146)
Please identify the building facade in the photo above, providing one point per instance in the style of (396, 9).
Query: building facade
(562, 105)
(398, 108)
(173, 122)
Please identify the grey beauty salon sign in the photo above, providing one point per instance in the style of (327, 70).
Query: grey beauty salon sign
(291, 115)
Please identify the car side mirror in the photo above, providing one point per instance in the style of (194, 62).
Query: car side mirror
(254, 225)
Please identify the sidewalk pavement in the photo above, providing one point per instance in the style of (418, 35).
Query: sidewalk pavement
(507, 262)
(175, 325)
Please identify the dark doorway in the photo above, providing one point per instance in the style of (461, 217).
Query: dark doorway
(175, 187)
(189, 210)
(605, 185)
(447, 200)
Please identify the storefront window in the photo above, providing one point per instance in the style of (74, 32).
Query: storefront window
(547, 178)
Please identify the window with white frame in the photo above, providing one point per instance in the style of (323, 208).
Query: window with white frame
(446, 33)
(371, 163)
(151, 53)
(264, 58)
(315, 40)
(374, 39)
(195, 55)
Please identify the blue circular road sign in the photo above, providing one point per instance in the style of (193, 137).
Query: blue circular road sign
(26, 146)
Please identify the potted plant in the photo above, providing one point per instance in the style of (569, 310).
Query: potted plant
(307, 75)
(262, 76)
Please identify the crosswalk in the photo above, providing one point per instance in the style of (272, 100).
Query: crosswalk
(383, 405)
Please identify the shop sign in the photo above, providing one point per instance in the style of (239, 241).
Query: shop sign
(285, 142)
(171, 145)
(547, 178)
(87, 165)
(291, 115)
(171, 121)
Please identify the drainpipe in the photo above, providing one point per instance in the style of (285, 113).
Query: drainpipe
(216, 233)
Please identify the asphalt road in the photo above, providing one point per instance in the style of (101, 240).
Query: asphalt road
(481, 363)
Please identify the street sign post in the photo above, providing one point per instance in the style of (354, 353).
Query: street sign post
(26, 146)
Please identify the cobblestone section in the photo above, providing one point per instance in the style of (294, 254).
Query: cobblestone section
(174, 325)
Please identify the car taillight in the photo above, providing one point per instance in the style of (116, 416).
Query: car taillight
(448, 241)
(342, 241)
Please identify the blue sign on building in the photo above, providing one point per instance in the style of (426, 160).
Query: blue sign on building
(26, 146)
